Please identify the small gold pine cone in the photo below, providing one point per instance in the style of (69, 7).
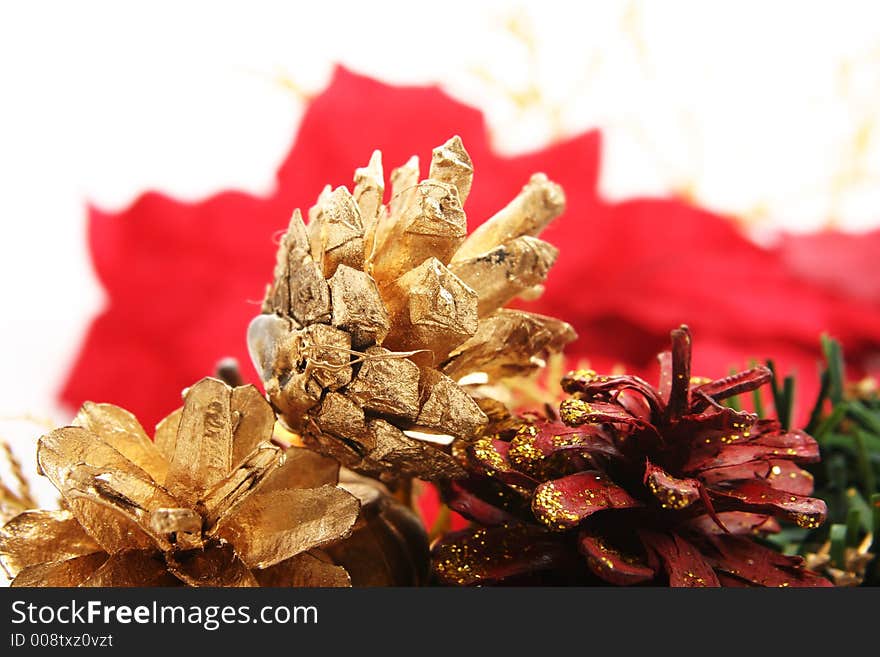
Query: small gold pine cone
(377, 313)
(212, 501)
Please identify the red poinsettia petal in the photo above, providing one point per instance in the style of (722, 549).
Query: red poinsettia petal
(755, 563)
(565, 502)
(477, 556)
(755, 495)
(672, 492)
(683, 563)
(842, 263)
(611, 564)
(183, 280)
(781, 475)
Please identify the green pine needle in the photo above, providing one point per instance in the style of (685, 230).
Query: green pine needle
(834, 357)
(847, 428)
(788, 400)
(853, 525)
(855, 502)
(863, 458)
(862, 414)
(838, 544)
(816, 413)
(758, 403)
(783, 398)
(830, 423)
(875, 507)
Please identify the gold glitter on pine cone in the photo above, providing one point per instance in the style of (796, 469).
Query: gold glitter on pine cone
(377, 312)
(210, 502)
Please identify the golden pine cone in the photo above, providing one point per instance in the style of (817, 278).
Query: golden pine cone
(377, 313)
(210, 502)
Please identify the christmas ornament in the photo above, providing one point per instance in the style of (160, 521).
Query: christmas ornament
(376, 313)
(635, 485)
(210, 502)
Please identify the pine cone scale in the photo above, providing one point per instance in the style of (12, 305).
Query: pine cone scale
(376, 312)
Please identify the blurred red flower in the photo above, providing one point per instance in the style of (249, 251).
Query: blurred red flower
(183, 279)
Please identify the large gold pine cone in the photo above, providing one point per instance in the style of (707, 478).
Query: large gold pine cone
(377, 313)
(211, 500)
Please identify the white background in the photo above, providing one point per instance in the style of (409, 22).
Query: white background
(766, 110)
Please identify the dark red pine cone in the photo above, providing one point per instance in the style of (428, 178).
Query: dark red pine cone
(636, 485)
